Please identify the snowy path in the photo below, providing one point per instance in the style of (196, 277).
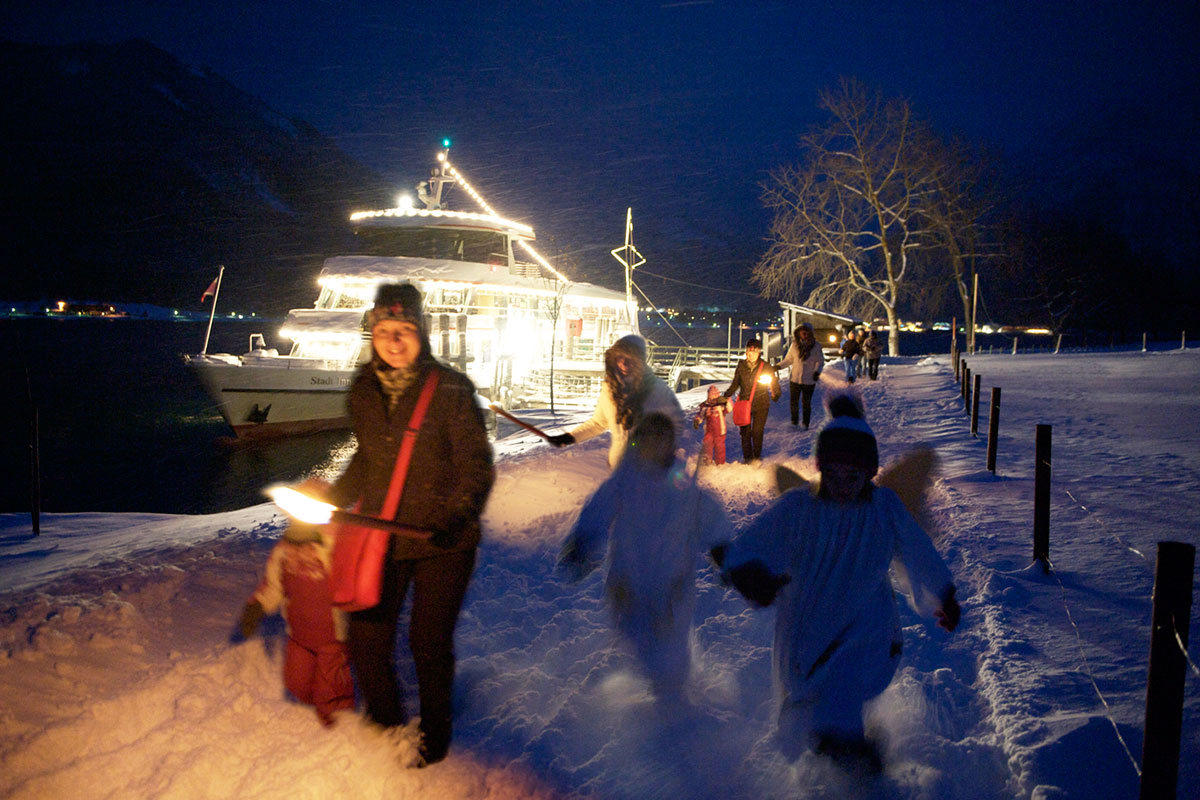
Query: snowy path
(117, 680)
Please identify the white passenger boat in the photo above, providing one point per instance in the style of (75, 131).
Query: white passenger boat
(494, 307)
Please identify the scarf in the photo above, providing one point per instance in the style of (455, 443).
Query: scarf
(394, 383)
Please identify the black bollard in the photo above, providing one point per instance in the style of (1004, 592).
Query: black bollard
(975, 408)
(1041, 498)
(1168, 668)
(993, 429)
(35, 478)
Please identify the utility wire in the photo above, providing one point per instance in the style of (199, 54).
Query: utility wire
(656, 311)
(1175, 628)
(1100, 523)
(1087, 667)
(697, 285)
(1179, 641)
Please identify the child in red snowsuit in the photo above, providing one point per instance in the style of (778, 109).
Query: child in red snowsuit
(315, 668)
(712, 415)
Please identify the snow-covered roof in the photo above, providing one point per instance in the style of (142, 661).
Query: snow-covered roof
(815, 312)
(313, 320)
(440, 218)
(431, 270)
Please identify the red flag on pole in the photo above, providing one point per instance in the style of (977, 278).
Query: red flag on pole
(209, 292)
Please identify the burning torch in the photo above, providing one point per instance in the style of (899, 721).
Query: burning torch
(519, 421)
(313, 511)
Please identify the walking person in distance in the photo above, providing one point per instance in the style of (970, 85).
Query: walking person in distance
(754, 381)
(805, 361)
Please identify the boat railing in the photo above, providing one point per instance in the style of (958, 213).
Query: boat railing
(687, 356)
(570, 386)
(295, 362)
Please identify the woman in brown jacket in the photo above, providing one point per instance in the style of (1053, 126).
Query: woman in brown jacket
(448, 482)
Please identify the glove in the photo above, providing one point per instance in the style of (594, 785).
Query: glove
(561, 440)
(756, 583)
(252, 614)
(816, 377)
(950, 612)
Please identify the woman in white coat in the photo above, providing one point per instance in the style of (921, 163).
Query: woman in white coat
(631, 392)
(805, 361)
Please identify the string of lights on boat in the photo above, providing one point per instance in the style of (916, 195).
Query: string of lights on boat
(490, 216)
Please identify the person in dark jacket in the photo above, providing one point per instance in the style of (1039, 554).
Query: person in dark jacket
(751, 371)
(851, 350)
(448, 481)
(872, 349)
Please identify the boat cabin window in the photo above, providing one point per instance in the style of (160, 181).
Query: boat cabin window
(480, 247)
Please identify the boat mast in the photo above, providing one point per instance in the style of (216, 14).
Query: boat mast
(629, 257)
(438, 178)
(213, 313)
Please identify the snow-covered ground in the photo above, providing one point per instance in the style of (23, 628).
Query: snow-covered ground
(117, 678)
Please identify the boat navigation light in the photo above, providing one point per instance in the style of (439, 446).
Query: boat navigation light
(446, 143)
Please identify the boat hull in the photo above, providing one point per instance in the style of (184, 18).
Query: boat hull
(263, 402)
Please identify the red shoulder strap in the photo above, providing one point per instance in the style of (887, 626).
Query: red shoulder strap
(392, 501)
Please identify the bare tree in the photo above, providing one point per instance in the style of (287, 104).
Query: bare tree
(954, 214)
(848, 217)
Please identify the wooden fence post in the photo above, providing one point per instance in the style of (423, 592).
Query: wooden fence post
(1143, 341)
(1168, 668)
(35, 477)
(1183, 340)
(1014, 352)
(993, 429)
(966, 388)
(1041, 498)
(975, 408)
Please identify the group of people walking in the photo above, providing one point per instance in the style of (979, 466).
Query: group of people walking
(861, 354)
(807, 555)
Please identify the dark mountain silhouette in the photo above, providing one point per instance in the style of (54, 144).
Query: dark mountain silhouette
(129, 175)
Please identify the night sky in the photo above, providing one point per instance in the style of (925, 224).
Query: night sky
(565, 113)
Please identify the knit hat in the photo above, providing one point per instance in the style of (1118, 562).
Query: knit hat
(398, 301)
(631, 346)
(847, 438)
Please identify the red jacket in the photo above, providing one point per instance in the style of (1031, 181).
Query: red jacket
(711, 414)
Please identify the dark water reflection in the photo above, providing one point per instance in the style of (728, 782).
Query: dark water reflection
(125, 425)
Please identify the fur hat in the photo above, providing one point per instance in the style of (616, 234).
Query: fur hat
(631, 346)
(847, 438)
(398, 301)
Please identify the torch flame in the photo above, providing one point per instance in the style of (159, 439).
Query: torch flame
(301, 506)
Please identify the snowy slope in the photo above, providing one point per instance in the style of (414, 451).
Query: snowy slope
(117, 679)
